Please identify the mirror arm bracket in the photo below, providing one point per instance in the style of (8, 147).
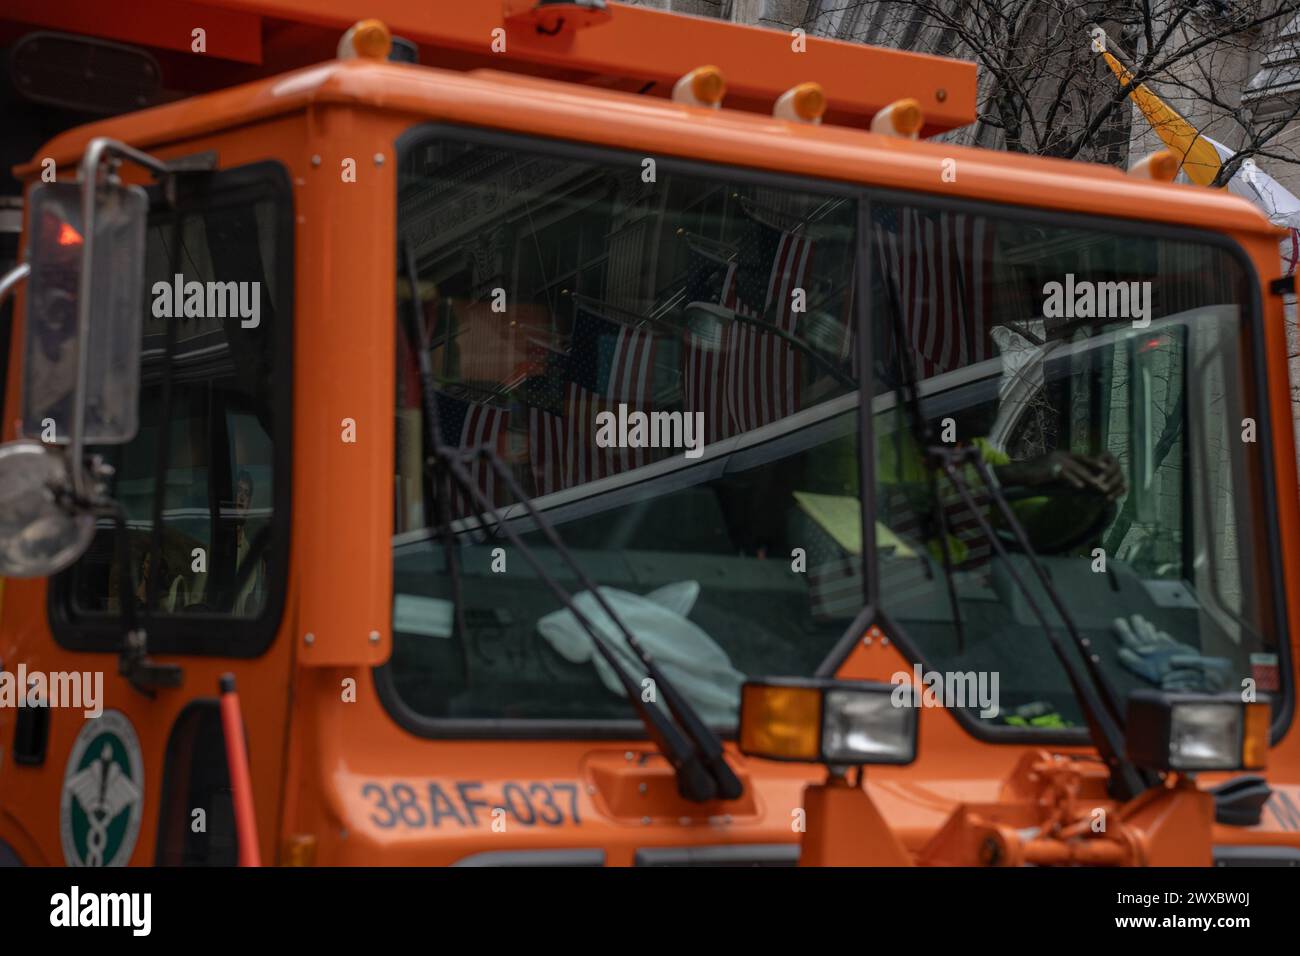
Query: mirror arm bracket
(182, 170)
(99, 151)
(145, 675)
(9, 281)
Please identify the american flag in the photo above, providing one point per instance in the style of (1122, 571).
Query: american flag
(763, 372)
(708, 279)
(938, 266)
(543, 394)
(907, 519)
(609, 364)
(835, 589)
(848, 324)
(469, 425)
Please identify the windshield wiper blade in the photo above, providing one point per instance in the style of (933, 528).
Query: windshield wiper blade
(696, 756)
(1091, 660)
(909, 394)
(694, 780)
(939, 517)
(1100, 709)
(706, 742)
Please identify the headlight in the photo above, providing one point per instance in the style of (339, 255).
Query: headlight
(844, 723)
(1196, 732)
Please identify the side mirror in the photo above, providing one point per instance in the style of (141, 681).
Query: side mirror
(41, 533)
(81, 372)
(92, 275)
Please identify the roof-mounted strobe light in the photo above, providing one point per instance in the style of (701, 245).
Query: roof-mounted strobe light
(703, 86)
(552, 16)
(804, 103)
(900, 118)
(367, 39)
(1161, 166)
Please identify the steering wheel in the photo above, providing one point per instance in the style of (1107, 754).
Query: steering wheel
(1061, 499)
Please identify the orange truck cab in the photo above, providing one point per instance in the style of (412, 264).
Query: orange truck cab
(615, 443)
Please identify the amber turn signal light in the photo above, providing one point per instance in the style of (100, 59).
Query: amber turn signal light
(838, 723)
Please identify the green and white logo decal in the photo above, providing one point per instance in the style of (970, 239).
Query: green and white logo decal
(103, 793)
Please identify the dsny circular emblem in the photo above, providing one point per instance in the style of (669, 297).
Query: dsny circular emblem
(103, 793)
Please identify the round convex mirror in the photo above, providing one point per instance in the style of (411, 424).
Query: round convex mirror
(38, 535)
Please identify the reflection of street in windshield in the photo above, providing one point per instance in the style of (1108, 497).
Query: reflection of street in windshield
(1108, 513)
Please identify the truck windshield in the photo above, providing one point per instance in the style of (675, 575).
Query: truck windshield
(1104, 378)
(665, 357)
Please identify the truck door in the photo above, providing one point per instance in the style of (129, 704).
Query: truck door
(205, 487)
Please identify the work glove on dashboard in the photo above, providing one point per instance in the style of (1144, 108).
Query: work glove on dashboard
(1157, 658)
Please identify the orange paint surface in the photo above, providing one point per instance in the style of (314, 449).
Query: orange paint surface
(319, 767)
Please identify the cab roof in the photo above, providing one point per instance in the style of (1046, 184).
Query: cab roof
(567, 111)
(630, 48)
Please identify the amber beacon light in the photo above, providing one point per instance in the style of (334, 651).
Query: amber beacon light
(900, 118)
(367, 40)
(804, 103)
(702, 86)
(1161, 166)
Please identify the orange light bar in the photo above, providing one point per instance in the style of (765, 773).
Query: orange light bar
(643, 45)
(805, 103)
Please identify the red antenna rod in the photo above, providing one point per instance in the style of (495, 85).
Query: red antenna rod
(241, 782)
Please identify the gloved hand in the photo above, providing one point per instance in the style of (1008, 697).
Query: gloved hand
(1039, 713)
(1101, 474)
(1159, 659)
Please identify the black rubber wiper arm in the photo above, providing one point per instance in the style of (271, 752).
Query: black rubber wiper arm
(694, 781)
(702, 771)
(1100, 709)
(907, 391)
(705, 741)
(1101, 714)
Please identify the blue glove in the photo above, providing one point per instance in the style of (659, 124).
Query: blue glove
(1159, 659)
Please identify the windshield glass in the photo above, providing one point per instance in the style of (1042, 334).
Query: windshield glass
(665, 359)
(1103, 379)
